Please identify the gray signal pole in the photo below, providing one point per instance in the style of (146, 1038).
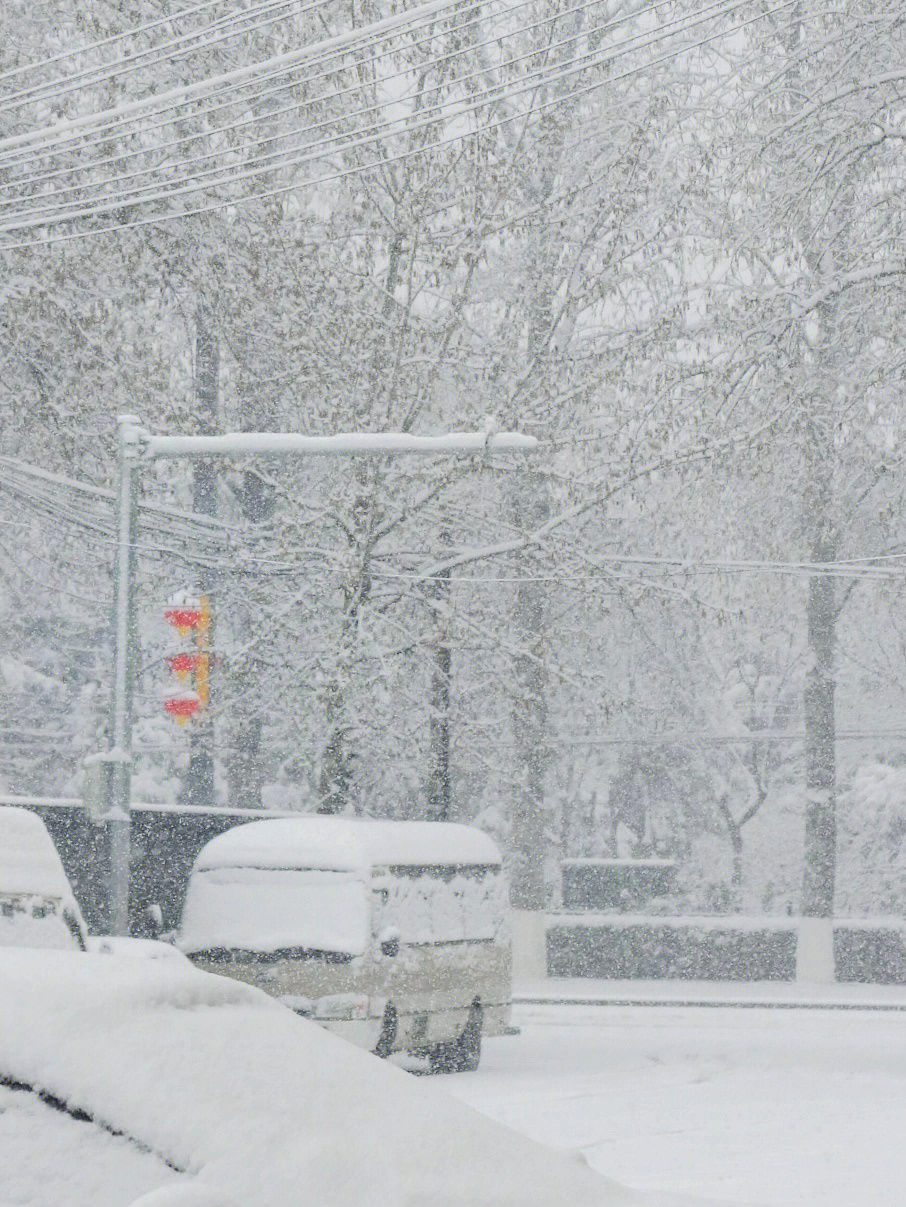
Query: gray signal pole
(119, 774)
(138, 447)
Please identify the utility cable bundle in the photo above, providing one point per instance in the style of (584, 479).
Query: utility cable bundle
(352, 86)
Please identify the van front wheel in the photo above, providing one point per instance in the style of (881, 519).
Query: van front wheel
(460, 1055)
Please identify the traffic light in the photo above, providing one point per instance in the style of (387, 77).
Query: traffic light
(192, 668)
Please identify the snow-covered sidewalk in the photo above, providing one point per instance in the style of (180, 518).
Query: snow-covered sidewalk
(790, 995)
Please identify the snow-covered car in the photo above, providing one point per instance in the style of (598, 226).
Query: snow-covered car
(247, 1102)
(37, 904)
(394, 934)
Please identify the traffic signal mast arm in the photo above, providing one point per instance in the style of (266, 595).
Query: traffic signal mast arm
(138, 446)
(344, 444)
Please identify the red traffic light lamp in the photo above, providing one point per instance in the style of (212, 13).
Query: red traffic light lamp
(185, 618)
(181, 708)
(183, 664)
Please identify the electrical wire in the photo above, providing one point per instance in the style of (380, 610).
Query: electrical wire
(330, 58)
(386, 160)
(332, 55)
(532, 84)
(97, 45)
(386, 128)
(138, 110)
(53, 90)
(297, 105)
(871, 567)
(548, 48)
(32, 482)
(210, 550)
(711, 739)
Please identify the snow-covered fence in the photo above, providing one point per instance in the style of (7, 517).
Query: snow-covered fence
(722, 948)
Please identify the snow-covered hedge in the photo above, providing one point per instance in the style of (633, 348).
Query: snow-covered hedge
(872, 951)
(632, 946)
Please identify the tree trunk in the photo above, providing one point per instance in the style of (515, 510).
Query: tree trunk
(338, 759)
(440, 790)
(528, 821)
(245, 774)
(820, 750)
(198, 785)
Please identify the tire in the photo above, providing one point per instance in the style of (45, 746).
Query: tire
(460, 1055)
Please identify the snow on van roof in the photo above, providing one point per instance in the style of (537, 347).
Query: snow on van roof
(347, 844)
(29, 862)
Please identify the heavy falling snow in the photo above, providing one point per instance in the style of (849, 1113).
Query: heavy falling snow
(452, 603)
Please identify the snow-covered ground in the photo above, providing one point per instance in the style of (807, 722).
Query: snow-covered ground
(775, 1106)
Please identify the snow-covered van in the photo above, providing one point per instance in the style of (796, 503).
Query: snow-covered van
(392, 933)
(37, 906)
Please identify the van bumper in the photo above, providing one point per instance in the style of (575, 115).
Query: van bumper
(419, 1031)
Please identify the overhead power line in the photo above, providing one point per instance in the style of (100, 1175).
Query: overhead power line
(86, 48)
(529, 84)
(187, 92)
(758, 736)
(157, 53)
(330, 60)
(70, 500)
(368, 135)
(360, 85)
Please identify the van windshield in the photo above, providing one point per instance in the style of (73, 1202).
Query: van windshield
(267, 910)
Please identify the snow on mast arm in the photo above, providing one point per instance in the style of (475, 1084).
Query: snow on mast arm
(276, 444)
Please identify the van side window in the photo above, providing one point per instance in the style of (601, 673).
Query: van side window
(441, 903)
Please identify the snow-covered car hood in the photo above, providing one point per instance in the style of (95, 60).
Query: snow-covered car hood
(268, 1108)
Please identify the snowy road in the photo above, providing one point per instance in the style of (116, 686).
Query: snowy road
(48, 1159)
(767, 1106)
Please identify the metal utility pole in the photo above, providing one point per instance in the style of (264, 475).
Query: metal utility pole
(138, 447)
(119, 776)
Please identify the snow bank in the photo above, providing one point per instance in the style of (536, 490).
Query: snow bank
(266, 1108)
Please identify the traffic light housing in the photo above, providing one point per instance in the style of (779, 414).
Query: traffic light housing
(190, 616)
